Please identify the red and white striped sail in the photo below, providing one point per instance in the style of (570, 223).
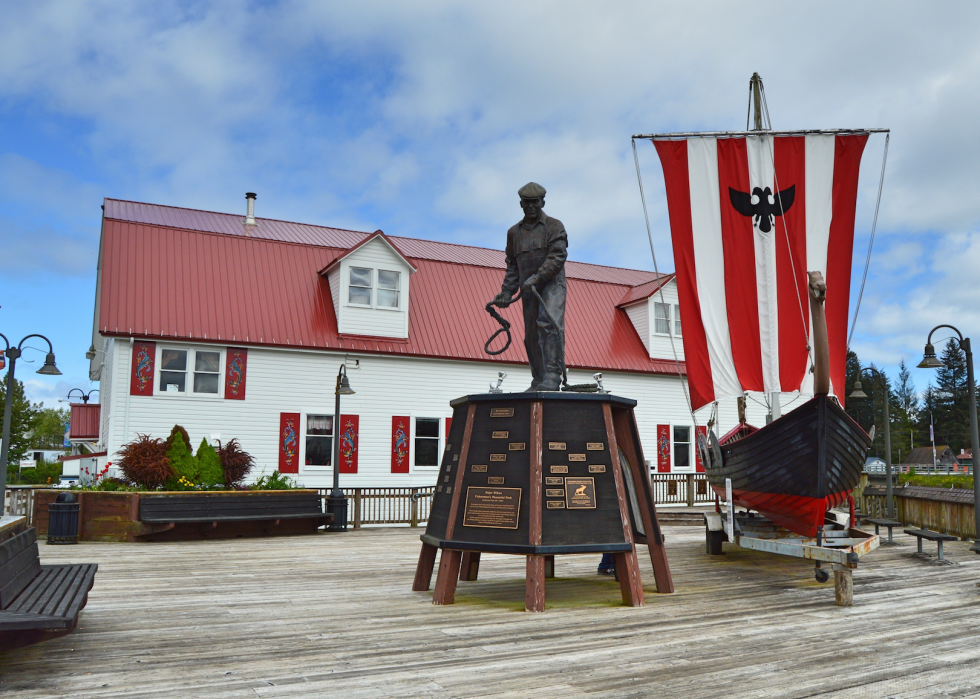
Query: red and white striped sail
(743, 290)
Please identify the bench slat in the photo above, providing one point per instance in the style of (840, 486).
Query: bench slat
(242, 518)
(72, 595)
(931, 535)
(20, 565)
(14, 545)
(23, 621)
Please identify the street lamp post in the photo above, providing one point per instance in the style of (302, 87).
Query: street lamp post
(49, 368)
(337, 501)
(929, 361)
(84, 396)
(858, 393)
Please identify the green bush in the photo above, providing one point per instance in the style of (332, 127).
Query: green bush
(187, 469)
(940, 481)
(45, 473)
(209, 464)
(276, 481)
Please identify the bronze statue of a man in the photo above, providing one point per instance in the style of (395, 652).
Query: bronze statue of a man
(536, 252)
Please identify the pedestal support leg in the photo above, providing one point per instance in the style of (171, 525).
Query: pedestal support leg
(469, 568)
(534, 589)
(843, 586)
(549, 566)
(423, 571)
(628, 572)
(445, 592)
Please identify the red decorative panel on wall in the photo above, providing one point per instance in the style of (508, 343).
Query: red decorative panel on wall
(401, 428)
(663, 448)
(235, 363)
(349, 443)
(289, 430)
(702, 438)
(449, 424)
(144, 369)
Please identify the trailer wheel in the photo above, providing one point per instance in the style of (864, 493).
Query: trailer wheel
(713, 541)
(821, 575)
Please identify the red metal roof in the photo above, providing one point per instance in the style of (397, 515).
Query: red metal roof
(644, 291)
(215, 283)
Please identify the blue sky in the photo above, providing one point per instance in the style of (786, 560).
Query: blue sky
(423, 119)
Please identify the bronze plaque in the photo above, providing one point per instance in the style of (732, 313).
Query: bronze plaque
(449, 447)
(501, 434)
(446, 479)
(576, 457)
(498, 457)
(516, 446)
(455, 457)
(501, 412)
(478, 468)
(597, 468)
(439, 489)
(449, 489)
(556, 504)
(559, 468)
(595, 446)
(554, 480)
(556, 446)
(580, 493)
(494, 508)
(554, 493)
(495, 480)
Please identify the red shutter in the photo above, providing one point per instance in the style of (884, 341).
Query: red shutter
(401, 428)
(663, 448)
(702, 436)
(144, 369)
(449, 424)
(236, 360)
(289, 431)
(349, 443)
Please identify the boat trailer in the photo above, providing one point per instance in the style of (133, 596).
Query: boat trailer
(837, 543)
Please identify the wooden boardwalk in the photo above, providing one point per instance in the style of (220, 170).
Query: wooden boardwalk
(334, 615)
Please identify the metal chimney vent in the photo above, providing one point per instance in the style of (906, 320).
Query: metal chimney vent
(250, 208)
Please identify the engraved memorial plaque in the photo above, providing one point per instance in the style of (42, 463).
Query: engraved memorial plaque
(446, 480)
(580, 493)
(595, 446)
(597, 468)
(576, 457)
(556, 446)
(448, 447)
(501, 412)
(554, 493)
(449, 489)
(556, 504)
(478, 468)
(455, 457)
(516, 446)
(493, 508)
(498, 457)
(559, 468)
(501, 434)
(495, 480)
(439, 489)
(554, 480)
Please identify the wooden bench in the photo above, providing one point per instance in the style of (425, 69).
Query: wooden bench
(271, 510)
(38, 602)
(938, 537)
(889, 523)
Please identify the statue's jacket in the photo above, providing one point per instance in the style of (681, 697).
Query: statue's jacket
(540, 250)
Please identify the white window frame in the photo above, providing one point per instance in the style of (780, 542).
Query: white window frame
(303, 467)
(412, 468)
(189, 371)
(670, 319)
(676, 327)
(375, 281)
(692, 458)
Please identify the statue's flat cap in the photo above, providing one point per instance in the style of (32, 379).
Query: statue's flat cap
(532, 190)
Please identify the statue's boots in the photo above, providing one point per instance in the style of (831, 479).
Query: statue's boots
(532, 388)
(552, 382)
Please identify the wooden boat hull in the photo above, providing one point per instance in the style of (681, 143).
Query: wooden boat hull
(797, 467)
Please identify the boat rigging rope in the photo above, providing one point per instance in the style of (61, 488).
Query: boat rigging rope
(871, 242)
(504, 326)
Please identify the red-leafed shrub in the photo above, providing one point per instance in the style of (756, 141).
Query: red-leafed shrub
(235, 462)
(144, 461)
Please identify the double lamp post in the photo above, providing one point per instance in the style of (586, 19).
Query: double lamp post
(49, 369)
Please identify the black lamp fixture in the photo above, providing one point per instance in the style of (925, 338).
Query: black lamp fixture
(49, 369)
(859, 393)
(84, 396)
(337, 500)
(930, 361)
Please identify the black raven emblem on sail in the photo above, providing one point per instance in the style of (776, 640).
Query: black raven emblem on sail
(763, 205)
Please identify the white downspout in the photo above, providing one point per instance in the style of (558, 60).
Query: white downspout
(125, 436)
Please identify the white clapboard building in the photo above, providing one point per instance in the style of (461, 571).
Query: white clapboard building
(235, 329)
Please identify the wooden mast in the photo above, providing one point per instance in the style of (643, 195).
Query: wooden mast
(821, 346)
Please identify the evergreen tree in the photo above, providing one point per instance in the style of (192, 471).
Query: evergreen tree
(23, 417)
(210, 465)
(184, 463)
(904, 413)
(953, 416)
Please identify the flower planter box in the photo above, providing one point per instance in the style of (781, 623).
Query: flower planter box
(158, 516)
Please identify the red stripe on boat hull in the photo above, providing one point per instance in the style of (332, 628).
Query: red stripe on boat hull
(797, 513)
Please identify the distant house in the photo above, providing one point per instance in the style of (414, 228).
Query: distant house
(965, 458)
(874, 464)
(922, 457)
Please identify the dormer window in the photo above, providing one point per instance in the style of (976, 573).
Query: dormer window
(388, 288)
(361, 281)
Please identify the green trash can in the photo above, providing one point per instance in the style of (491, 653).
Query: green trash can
(63, 520)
